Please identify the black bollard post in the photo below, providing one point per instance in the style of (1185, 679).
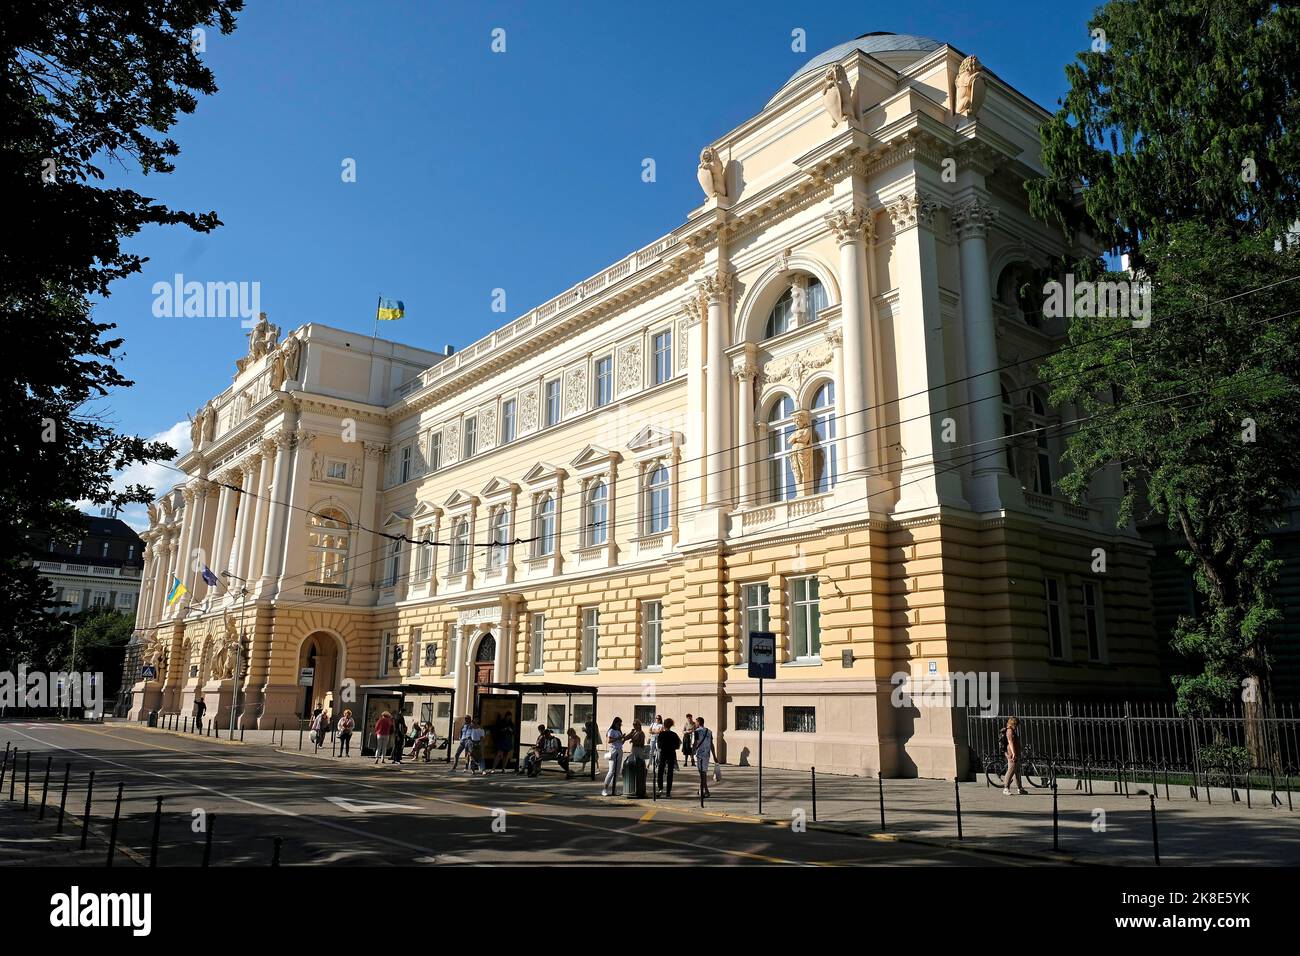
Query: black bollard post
(814, 793)
(956, 792)
(45, 787)
(13, 775)
(241, 733)
(1155, 835)
(207, 840)
(275, 858)
(63, 800)
(85, 817)
(4, 768)
(157, 825)
(1056, 836)
(880, 781)
(701, 793)
(300, 735)
(112, 833)
(27, 778)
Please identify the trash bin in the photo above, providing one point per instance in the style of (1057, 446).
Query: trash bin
(153, 718)
(634, 778)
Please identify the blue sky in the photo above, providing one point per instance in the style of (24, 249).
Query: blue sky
(474, 170)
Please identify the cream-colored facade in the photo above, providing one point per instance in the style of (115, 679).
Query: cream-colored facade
(790, 411)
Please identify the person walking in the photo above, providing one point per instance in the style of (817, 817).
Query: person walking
(200, 708)
(614, 756)
(656, 728)
(704, 750)
(476, 735)
(1012, 737)
(688, 741)
(383, 734)
(399, 736)
(345, 728)
(465, 746)
(503, 739)
(320, 728)
(667, 742)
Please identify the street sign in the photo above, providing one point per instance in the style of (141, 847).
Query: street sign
(762, 654)
(306, 677)
(149, 672)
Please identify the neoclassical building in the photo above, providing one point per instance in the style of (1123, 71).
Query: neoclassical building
(811, 408)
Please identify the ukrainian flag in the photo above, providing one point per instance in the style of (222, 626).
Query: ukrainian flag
(177, 590)
(390, 309)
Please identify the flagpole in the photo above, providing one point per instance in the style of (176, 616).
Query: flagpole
(378, 302)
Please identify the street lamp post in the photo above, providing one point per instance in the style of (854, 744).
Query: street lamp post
(239, 649)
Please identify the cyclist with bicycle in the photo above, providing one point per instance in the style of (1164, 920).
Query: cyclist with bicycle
(1011, 743)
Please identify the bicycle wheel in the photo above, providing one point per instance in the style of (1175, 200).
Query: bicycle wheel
(1036, 775)
(995, 769)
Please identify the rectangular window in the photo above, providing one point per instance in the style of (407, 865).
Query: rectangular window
(756, 600)
(552, 402)
(394, 564)
(423, 556)
(604, 381)
(799, 720)
(404, 471)
(385, 653)
(470, 444)
(336, 470)
(652, 633)
(431, 655)
(103, 551)
(444, 709)
(1092, 617)
(590, 637)
(536, 643)
(1055, 618)
(582, 716)
(453, 652)
(507, 421)
(125, 599)
(555, 717)
(528, 714)
(416, 658)
(99, 599)
(646, 714)
(749, 718)
(663, 357)
(399, 655)
(807, 617)
(435, 451)
(130, 552)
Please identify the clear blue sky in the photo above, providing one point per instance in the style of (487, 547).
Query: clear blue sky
(475, 170)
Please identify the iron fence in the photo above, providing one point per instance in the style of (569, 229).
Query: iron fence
(1128, 741)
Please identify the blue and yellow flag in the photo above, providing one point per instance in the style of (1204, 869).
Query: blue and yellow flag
(390, 309)
(177, 590)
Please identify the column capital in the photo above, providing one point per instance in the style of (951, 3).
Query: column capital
(691, 307)
(852, 224)
(745, 369)
(268, 447)
(374, 450)
(913, 208)
(716, 287)
(973, 216)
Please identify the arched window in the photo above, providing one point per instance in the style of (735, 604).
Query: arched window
(596, 525)
(394, 564)
(327, 538)
(460, 546)
(1008, 429)
(817, 299)
(780, 426)
(778, 320)
(825, 468)
(544, 526)
(1042, 457)
(500, 537)
(1016, 290)
(658, 500)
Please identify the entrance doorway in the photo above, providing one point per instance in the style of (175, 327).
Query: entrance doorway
(320, 653)
(484, 665)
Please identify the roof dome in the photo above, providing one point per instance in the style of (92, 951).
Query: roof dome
(894, 49)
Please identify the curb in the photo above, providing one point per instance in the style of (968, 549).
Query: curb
(189, 735)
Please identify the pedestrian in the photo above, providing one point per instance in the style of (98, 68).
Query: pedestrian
(614, 756)
(399, 736)
(688, 741)
(476, 735)
(503, 739)
(345, 728)
(200, 708)
(704, 750)
(636, 740)
(320, 727)
(1011, 736)
(465, 746)
(668, 742)
(383, 734)
(656, 728)
(576, 751)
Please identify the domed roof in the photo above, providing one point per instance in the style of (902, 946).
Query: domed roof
(878, 45)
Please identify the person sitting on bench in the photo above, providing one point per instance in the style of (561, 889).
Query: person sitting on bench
(548, 747)
(424, 741)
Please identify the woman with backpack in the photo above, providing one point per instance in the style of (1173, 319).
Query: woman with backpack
(1011, 743)
(345, 728)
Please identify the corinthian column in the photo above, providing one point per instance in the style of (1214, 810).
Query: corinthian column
(853, 231)
(716, 289)
(244, 520)
(745, 436)
(988, 469)
(277, 511)
(261, 507)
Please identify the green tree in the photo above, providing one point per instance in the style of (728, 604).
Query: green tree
(84, 84)
(1182, 111)
(1200, 410)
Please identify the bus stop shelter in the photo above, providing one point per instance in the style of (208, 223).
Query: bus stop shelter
(549, 688)
(379, 695)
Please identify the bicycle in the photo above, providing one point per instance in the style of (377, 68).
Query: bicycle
(1034, 772)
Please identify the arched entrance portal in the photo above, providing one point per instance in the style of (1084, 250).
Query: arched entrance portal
(484, 664)
(320, 652)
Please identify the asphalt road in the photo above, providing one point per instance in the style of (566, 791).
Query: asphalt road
(359, 814)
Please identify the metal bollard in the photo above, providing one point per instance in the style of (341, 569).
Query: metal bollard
(27, 779)
(207, 840)
(85, 817)
(880, 780)
(45, 787)
(275, 857)
(13, 775)
(157, 825)
(300, 735)
(63, 800)
(4, 767)
(1056, 837)
(1155, 835)
(814, 793)
(112, 834)
(956, 792)
(701, 792)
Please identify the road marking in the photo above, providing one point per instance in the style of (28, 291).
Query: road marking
(648, 815)
(359, 806)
